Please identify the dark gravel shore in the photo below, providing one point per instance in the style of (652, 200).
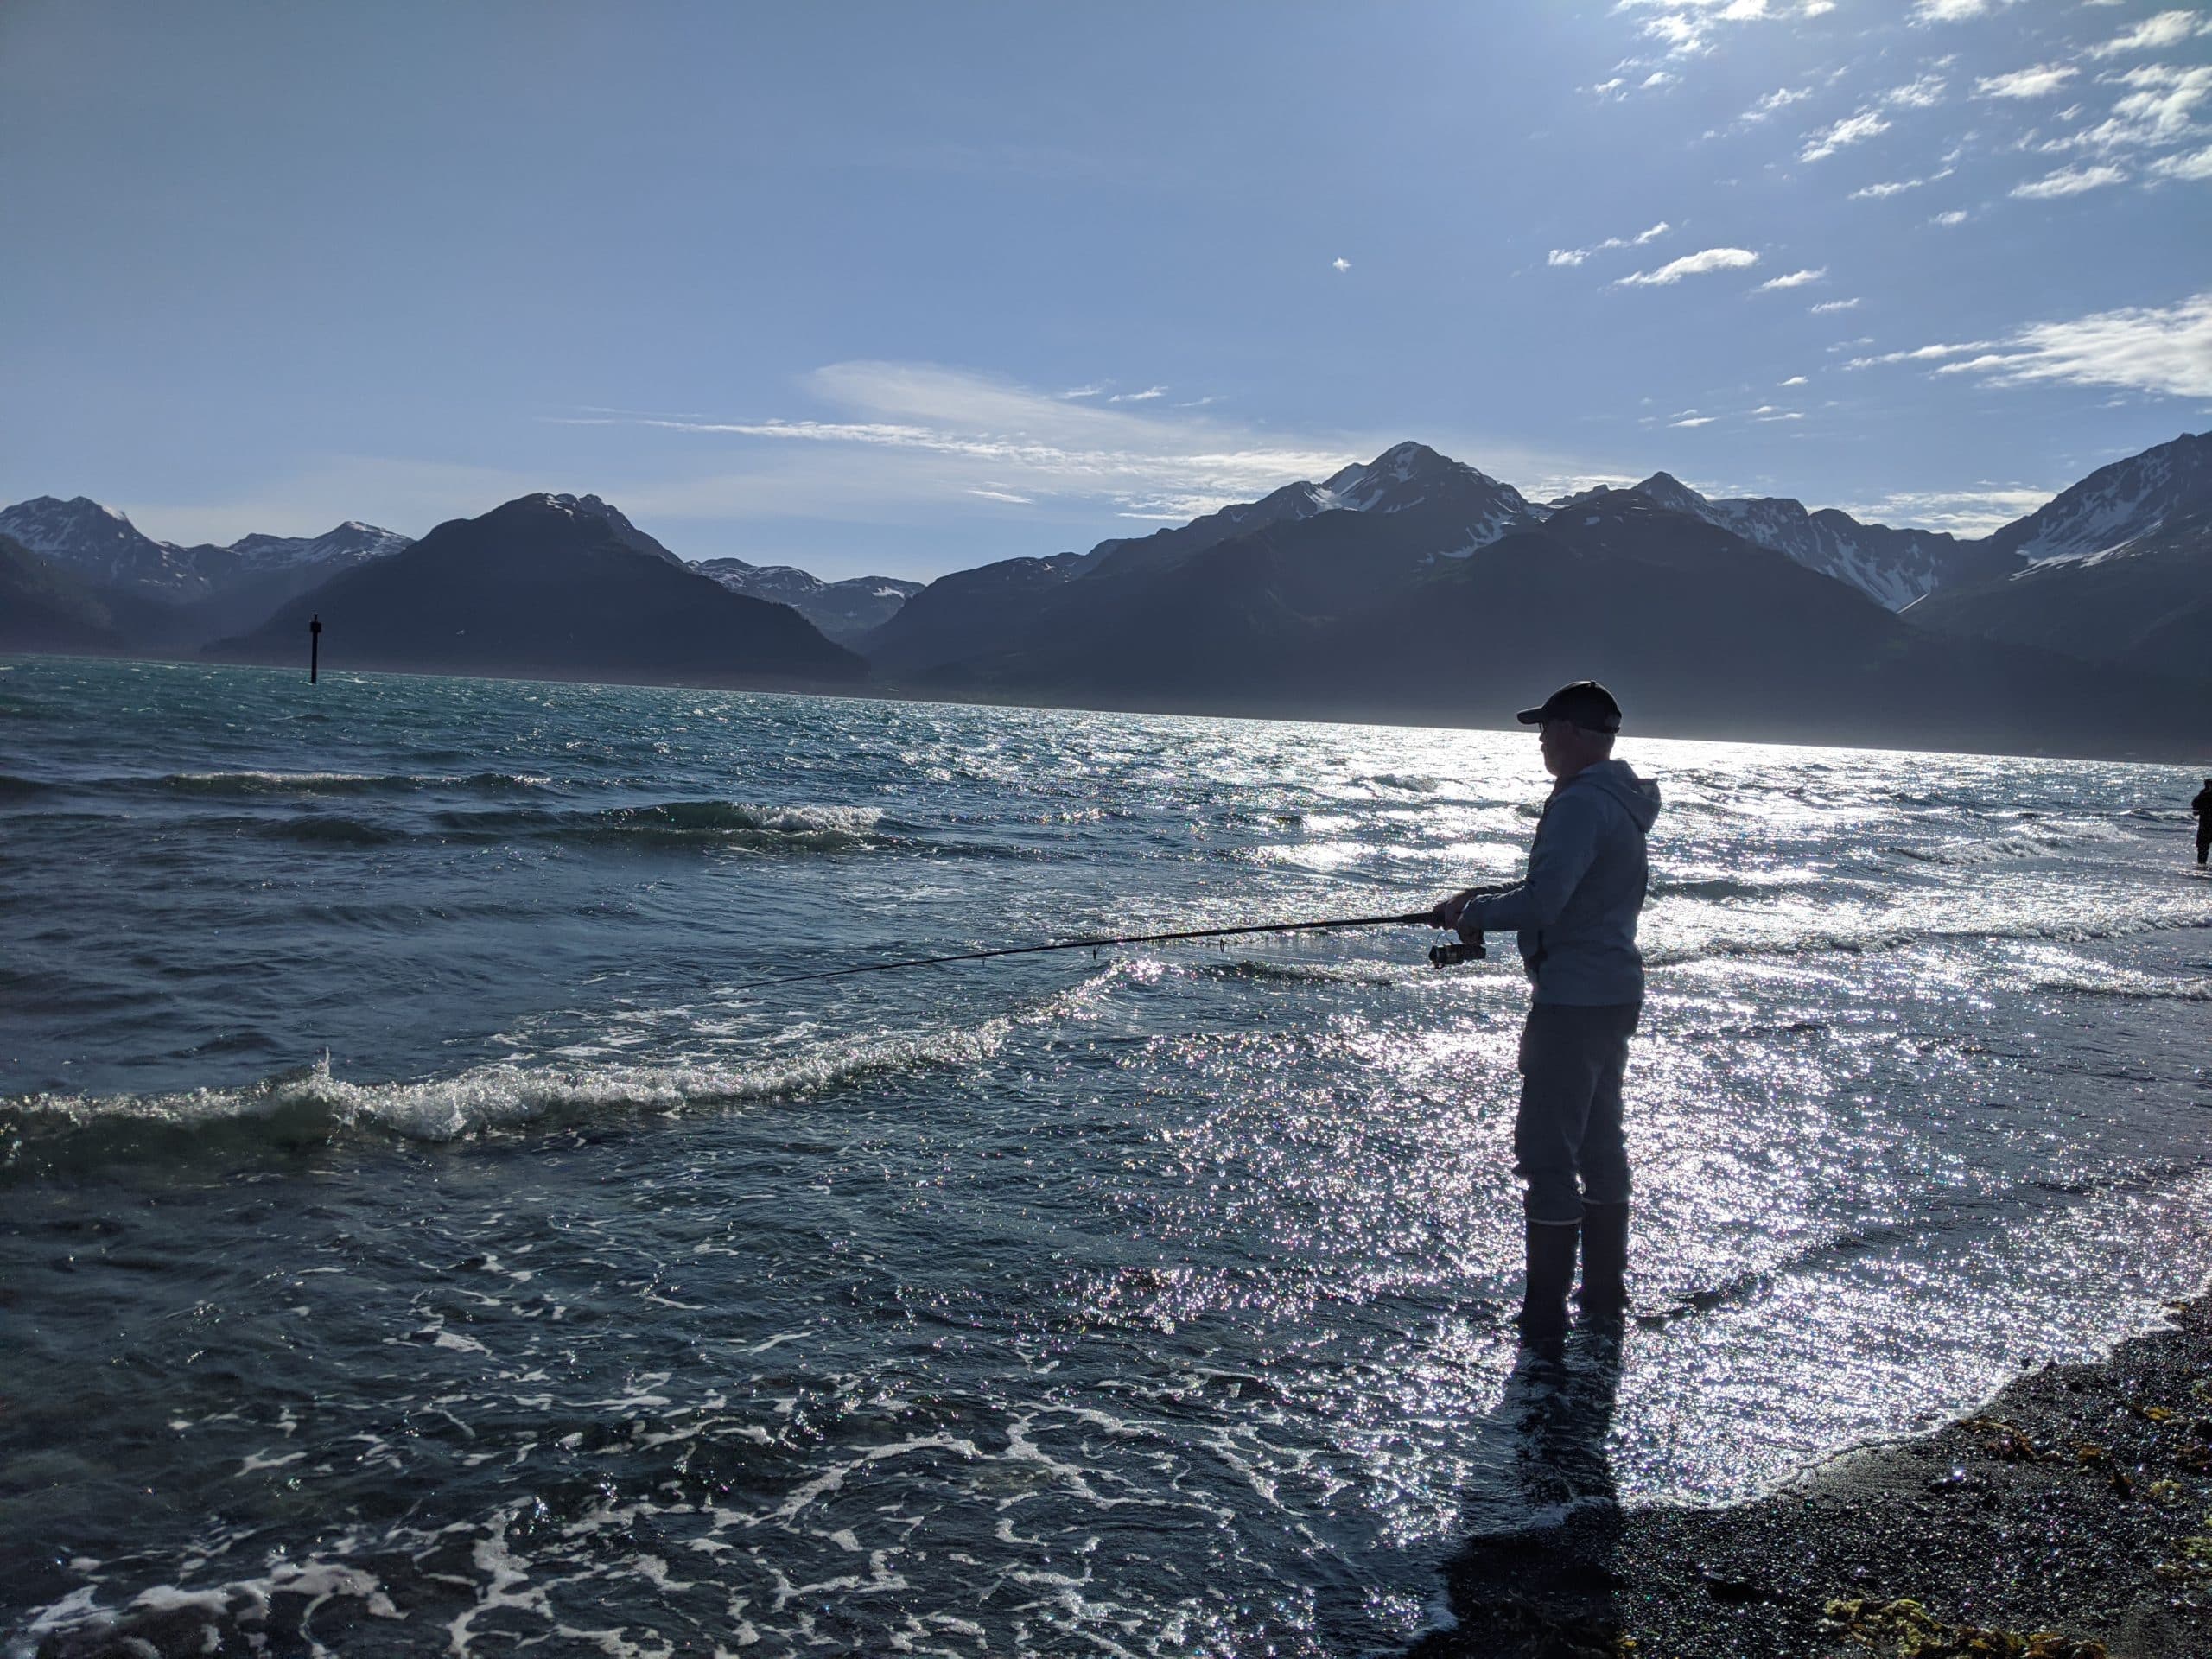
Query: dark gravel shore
(2067, 1520)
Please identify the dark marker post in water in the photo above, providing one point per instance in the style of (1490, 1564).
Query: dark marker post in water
(315, 648)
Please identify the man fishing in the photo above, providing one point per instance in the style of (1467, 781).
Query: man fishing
(1575, 911)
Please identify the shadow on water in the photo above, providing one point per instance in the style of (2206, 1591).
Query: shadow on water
(1546, 1591)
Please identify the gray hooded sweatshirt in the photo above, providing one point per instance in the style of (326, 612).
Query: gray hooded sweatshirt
(1575, 909)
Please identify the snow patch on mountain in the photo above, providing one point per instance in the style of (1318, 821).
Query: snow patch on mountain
(1892, 567)
(2118, 510)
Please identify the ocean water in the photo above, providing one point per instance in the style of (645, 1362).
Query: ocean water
(414, 1236)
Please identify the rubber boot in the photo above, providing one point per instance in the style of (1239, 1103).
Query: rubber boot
(1551, 1270)
(1604, 1294)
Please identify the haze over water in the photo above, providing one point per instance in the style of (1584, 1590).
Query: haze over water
(411, 1223)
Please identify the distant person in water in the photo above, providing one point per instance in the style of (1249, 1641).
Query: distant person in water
(1575, 911)
(2203, 807)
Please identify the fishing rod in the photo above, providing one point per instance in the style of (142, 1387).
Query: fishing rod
(1442, 956)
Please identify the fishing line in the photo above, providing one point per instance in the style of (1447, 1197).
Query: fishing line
(1442, 956)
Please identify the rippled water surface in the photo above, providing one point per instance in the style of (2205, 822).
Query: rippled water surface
(413, 1236)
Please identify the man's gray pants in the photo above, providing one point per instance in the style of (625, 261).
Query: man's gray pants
(1567, 1144)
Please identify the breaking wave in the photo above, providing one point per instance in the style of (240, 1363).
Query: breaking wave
(43, 1134)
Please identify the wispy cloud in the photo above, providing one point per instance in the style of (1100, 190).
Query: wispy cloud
(1921, 354)
(1695, 420)
(1795, 279)
(1827, 306)
(1895, 187)
(1340, 264)
(917, 433)
(2036, 82)
(1767, 417)
(1144, 396)
(2068, 182)
(1953, 216)
(1083, 392)
(1973, 512)
(2159, 109)
(1576, 256)
(1851, 130)
(2155, 34)
(2167, 350)
(2197, 164)
(1690, 264)
(1781, 98)
(1952, 11)
(1925, 93)
(1795, 380)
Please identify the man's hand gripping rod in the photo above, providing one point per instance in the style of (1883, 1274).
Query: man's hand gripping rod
(1467, 947)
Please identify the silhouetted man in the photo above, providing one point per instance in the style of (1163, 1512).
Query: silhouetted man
(2203, 807)
(1575, 911)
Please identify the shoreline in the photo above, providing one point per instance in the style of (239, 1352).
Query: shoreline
(2071, 1518)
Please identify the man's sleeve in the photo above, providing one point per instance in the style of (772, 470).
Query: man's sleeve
(1562, 856)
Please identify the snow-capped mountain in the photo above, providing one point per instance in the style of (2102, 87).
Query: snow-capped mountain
(2119, 511)
(2118, 568)
(102, 545)
(590, 506)
(350, 543)
(1407, 476)
(1892, 567)
(843, 610)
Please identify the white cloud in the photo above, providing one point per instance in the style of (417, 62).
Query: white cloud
(2143, 348)
(1795, 279)
(2068, 182)
(1963, 513)
(2154, 34)
(1144, 396)
(1892, 187)
(1851, 130)
(1781, 98)
(1769, 419)
(1340, 264)
(1696, 420)
(1921, 354)
(1925, 93)
(1657, 78)
(1576, 256)
(1610, 88)
(1951, 11)
(1083, 392)
(2159, 111)
(890, 440)
(1827, 306)
(2025, 83)
(1795, 380)
(2197, 164)
(1955, 216)
(1690, 264)
(1000, 495)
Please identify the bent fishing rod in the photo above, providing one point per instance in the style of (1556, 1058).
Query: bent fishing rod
(1441, 955)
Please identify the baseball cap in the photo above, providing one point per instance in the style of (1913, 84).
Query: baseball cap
(1586, 702)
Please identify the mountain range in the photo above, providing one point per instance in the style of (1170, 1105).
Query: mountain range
(557, 586)
(1413, 587)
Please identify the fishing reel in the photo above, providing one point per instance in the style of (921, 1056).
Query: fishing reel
(1459, 950)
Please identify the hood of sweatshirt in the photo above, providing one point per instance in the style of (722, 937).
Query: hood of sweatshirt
(1640, 795)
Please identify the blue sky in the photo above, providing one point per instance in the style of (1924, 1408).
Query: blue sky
(901, 289)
